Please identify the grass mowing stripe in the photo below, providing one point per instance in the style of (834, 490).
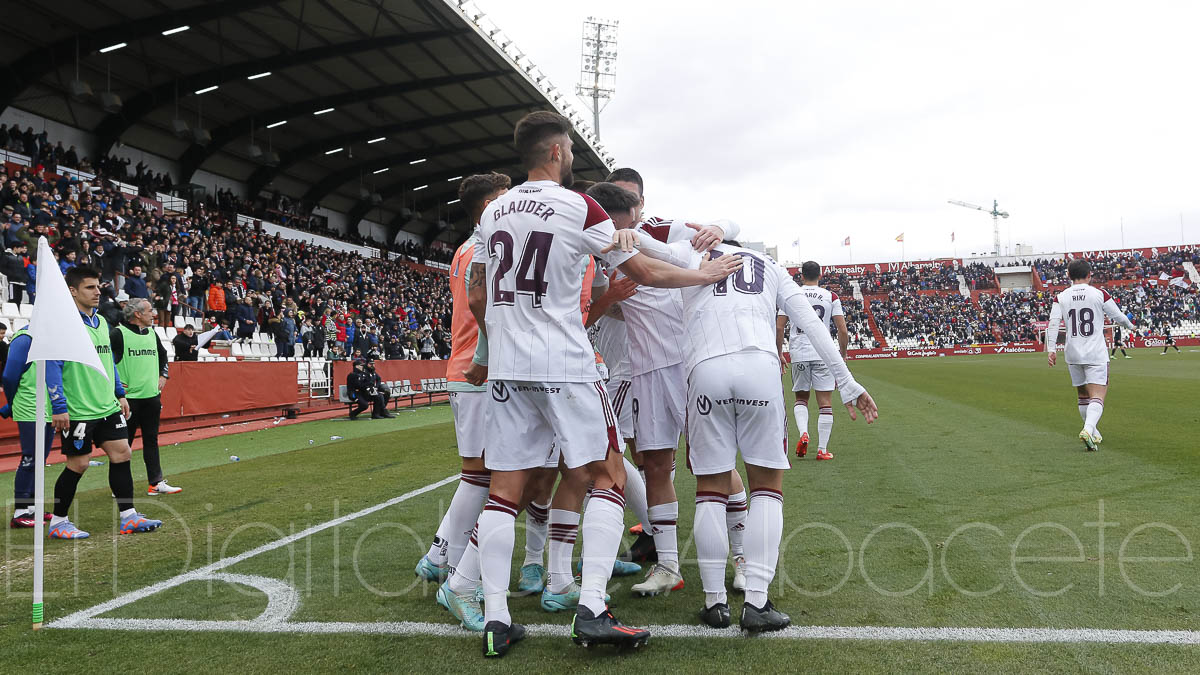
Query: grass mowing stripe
(207, 570)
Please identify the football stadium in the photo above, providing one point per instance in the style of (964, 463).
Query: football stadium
(334, 338)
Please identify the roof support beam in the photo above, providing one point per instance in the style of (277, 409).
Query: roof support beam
(110, 128)
(37, 64)
(331, 182)
(264, 175)
(195, 156)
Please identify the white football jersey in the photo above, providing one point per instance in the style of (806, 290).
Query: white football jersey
(611, 338)
(1081, 309)
(654, 316)
(738, 313)
(827, 305)
(537, 237)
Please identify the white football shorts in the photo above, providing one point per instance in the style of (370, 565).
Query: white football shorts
(812, 376)
(528, 422)
(622, 405)
(1088, 374)
(658, 407)
(735, 404)
(469, 421)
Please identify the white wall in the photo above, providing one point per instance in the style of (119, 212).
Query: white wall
(337, 219)
(56, 131)
(214, 182)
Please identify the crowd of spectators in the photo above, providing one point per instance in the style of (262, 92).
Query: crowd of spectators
(942, 278)
(1155, 308)
(1012, 317)
(311, 300)
(942, 320)
(1119, 267)
(979, 277)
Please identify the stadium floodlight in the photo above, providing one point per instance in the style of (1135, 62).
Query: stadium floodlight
(260, 75)
(420, 188)
(177, 29)
(383, 170)
(376, 140)
(206, 89)
(113, 48)
(598, 69)
(451, 180)
(330, 152)
(453, 201)
(277, 124)
(323, 111)
(418, 161)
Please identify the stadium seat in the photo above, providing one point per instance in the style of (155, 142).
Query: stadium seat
(179, 323)
(26, 311)
(10, 309)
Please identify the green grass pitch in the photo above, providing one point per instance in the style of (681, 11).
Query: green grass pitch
(970, 504)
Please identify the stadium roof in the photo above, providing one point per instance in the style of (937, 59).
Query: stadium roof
(362, 97)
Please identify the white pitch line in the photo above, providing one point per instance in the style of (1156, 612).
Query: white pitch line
(203, 573)
(282, 601)
(880, 633)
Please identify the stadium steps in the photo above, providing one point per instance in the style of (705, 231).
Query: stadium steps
(1192, 273)
(963, 288)
(856, 290)
(874, 326)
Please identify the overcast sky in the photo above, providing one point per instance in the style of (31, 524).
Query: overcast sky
(821, 120)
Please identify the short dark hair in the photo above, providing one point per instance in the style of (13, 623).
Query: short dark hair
(613, 198)
(532, 134)
(810, 270)
(627, 175)
(473, 190)
(1078, 269)
(581, 185)
(77, 274)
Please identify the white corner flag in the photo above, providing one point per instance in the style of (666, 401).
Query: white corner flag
(58, 335)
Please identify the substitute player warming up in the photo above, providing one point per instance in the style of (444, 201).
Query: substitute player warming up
(1083, 309)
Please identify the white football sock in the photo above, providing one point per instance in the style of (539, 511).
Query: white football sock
(1094, 411)
(735, 522)
(497, 534)
(460, 517)
(635, 494)
(603, 523)
(824, 427)
(800, 411)
(466, 572)
(712, 545)
(764, 529)
(663, 519)
(564, 527)
(1083, 406)
(537, 517)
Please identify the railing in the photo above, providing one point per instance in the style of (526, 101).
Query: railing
(14, 157)
(172, 203)
(125, 187)
(300, 235)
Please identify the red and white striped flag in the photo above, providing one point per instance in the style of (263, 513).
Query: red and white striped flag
(846, 242)
(951, 237)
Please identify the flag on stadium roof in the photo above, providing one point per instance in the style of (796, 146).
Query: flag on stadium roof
(952, 237)
(900, 238)
(847, 242)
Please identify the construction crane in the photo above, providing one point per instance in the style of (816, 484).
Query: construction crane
(996, 215)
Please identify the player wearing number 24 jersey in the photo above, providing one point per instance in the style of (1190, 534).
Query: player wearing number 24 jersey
(1082, 309)
(543, 382)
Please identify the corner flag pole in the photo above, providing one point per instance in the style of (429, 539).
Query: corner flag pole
(39, 490)
(58, 335)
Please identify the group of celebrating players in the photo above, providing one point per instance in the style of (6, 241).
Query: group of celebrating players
(686, 333)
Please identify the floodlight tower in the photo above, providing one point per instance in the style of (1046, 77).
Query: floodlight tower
(598, 72)
(996, 215)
